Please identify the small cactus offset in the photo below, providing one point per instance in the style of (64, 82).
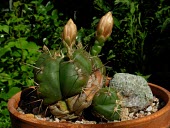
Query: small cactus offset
(106, 104)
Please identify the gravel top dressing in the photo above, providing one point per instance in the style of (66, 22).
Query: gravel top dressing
(156, 105)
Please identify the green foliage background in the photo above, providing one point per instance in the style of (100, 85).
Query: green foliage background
(139, 41)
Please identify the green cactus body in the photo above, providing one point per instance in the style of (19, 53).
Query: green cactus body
(97, 47)
(41, 59)
(46, 75)
(98, 65)
(83, 58)
(106, 104)
(75, 73)
(69, 83)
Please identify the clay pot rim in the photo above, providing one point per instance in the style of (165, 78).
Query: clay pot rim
(13, 104)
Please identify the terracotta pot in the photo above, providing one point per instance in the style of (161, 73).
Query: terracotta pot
(159, 119)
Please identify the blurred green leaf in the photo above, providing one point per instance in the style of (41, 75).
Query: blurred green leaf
(5, 112)
(116, 22)
(13, 91)
(4, 28)
(49, 6)
(165, 24)
(10, 93)
(3, 51)
(132, 7)
(41, 10)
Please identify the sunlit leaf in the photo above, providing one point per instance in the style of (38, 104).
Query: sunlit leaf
(5, 28)
(13, 91)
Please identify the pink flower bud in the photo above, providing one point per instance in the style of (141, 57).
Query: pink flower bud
(105, 26)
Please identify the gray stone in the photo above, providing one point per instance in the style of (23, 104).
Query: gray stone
(135, 92)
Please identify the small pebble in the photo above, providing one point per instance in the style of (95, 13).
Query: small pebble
(131, 114)
(153, 104)
(154, 109)
(29, 115)
(85, 122)
(149, 108)
(149, 113)
(142, 112)
(56, 120)
(47, 118)
(140, 115)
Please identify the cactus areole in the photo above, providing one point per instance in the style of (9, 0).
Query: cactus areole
(68, 83)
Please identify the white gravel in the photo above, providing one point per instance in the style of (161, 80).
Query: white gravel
(129, 115)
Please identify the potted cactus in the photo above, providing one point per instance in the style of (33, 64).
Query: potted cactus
(72, 85)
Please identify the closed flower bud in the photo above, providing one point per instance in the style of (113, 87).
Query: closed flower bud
(105, 26)
(70, 33)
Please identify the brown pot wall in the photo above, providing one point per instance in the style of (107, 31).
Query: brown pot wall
(160, 119)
